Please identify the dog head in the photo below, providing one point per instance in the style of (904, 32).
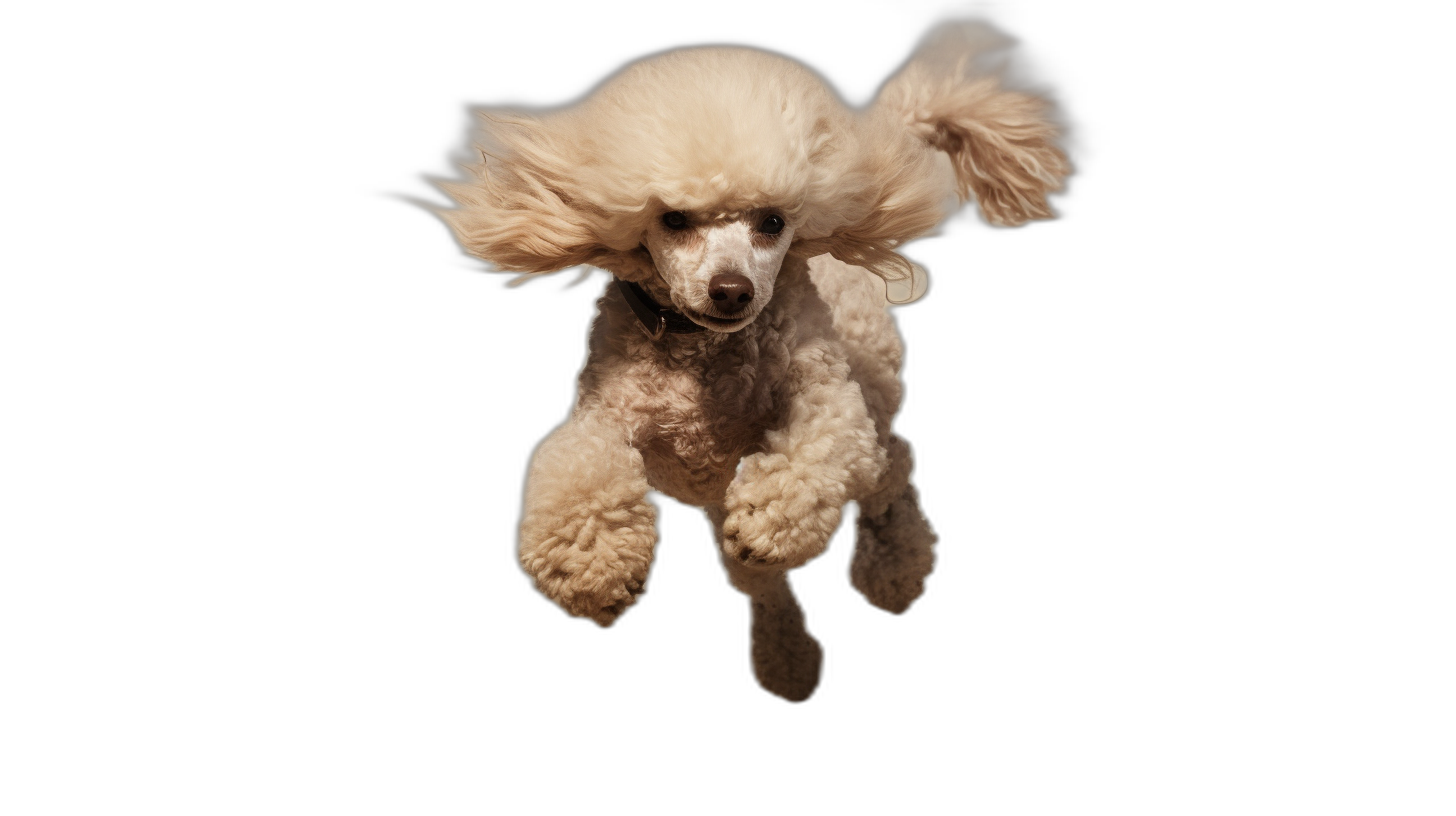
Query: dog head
(697, 172)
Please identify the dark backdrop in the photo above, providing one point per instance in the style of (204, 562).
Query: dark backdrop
(1041, 404)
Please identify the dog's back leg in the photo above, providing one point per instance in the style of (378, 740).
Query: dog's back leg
(894, 545)
(786, 658)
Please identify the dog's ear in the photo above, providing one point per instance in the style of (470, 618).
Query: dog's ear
(1002, 143)
(942, 126)
(521, 209)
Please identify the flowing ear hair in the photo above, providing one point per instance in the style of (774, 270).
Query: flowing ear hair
(901, 193)
(942, 127)
(522, 208)
(1001, 143)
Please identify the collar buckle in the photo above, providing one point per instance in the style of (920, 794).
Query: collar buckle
(656, 321)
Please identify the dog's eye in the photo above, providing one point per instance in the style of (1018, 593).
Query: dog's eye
(675, 220)
(772, 225)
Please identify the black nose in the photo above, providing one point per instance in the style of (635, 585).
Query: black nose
(730, 291)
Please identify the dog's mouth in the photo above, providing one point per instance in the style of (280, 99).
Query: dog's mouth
(708, 321)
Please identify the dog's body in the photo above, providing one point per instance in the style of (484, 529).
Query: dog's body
(727, 187)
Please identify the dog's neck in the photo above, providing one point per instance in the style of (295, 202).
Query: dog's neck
(657, 320)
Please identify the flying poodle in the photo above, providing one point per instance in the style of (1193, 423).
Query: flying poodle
(743, 359)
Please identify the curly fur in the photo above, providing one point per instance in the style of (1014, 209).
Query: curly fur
(777, 416)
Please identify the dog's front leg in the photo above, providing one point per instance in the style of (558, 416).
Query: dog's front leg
(786, 501)
(587, 530)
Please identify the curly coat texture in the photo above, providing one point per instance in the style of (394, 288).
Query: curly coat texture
(775, 425)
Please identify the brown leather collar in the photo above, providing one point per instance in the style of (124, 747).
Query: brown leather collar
(656, 320)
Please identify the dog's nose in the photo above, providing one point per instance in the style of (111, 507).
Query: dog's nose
(730, 291)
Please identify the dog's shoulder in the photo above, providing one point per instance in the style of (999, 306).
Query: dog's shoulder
(855, 296)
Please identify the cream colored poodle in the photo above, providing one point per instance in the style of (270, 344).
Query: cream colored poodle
(743, 360)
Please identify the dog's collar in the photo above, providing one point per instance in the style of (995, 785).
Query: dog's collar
(656, 320)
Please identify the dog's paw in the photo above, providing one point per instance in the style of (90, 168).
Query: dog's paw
(786, 658)
(893, 554)
(603, 602)
(775, 518)
(594, 564)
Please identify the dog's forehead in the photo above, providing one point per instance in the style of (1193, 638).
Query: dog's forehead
(707, 95)
(738, 214)
(722, 129)
(727, 70)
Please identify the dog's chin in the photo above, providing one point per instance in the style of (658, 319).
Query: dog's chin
(723, 325)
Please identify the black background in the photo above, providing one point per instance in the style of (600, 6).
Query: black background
(1043, 401)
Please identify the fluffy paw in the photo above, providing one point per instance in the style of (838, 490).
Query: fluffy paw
(592, 560)
(786, 658)
(774, 518)
(893, 554)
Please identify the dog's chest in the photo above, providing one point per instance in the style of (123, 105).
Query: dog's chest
(703, 419)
